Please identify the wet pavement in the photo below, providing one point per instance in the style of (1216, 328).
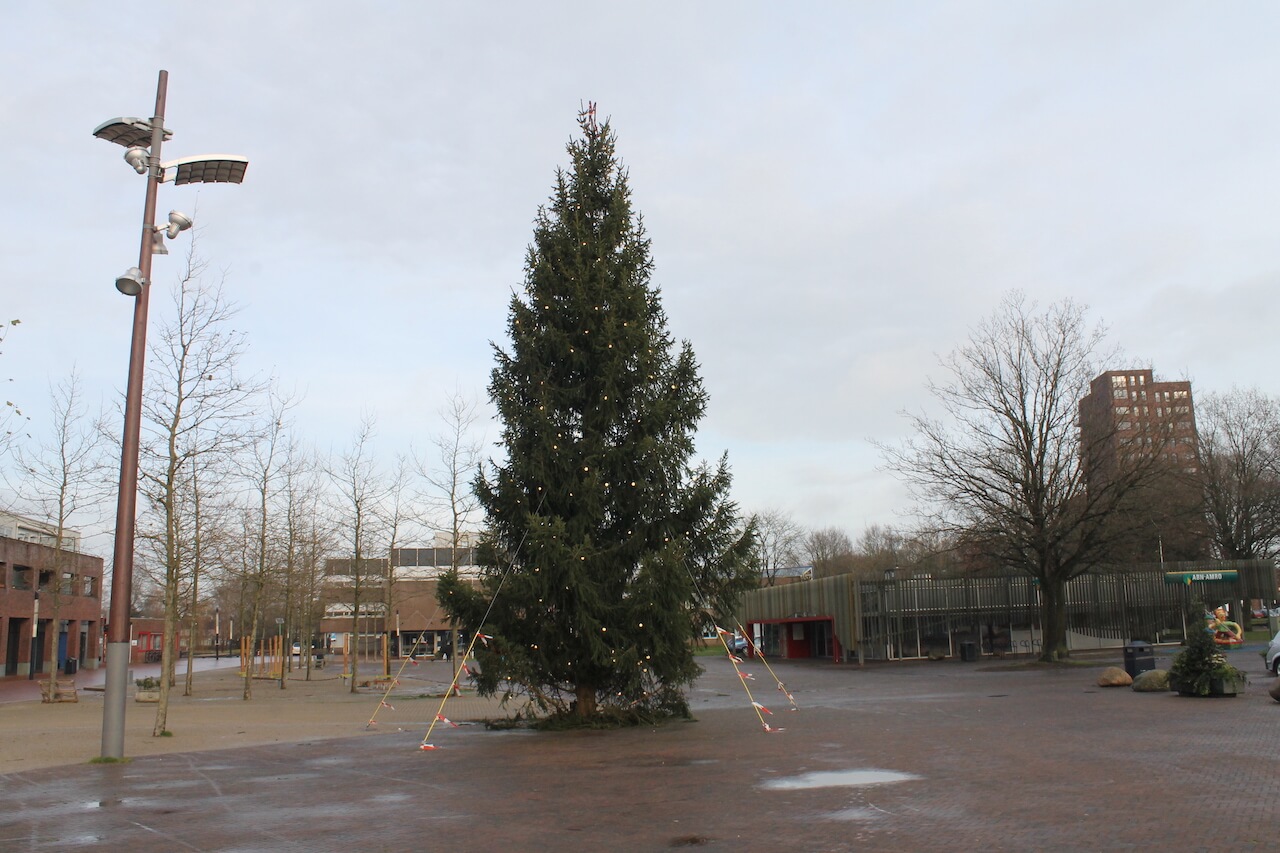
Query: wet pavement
(24, 689)
(923, 756)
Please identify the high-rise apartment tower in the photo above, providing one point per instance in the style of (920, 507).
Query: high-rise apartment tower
(1128, 411)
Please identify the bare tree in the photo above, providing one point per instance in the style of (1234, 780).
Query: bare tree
(1004, 468)
(459, 461)
(208, 512)
(263, 466)
(904, 551)
(830, 551)
(62, 477)
(778, 543)
(195, 410)
(293, 585)
(1239, 473)
(360, 493)
(308, 539)
(927, 551)
(879, 549)
(396, 516)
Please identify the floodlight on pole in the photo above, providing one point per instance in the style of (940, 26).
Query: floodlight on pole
(178, 222)
(137, 157)
(142, 139)
(130, 282)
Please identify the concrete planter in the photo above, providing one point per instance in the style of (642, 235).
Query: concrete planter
(1217, 687)
(1224, 687)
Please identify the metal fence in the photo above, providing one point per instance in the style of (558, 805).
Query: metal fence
(923, 617)
(932, 617)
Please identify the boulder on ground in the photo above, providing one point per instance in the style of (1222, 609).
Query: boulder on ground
(1152, 681)
(1114, 676)
(1275, 691)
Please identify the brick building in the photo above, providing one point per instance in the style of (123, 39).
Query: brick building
(1127, 410)
(57, 590)
(412, 619)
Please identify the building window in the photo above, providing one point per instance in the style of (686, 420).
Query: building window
(87, 587)
(1117, 381)
(1120, 393)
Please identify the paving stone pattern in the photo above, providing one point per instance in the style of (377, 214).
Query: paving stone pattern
(995, 758)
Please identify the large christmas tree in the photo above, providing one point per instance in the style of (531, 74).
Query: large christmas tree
(611, 551)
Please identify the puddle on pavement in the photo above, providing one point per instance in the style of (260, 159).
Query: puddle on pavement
(838, 779)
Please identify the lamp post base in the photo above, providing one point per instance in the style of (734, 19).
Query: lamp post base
(113, 700)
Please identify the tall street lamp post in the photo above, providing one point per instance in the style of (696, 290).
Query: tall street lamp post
(143, 140)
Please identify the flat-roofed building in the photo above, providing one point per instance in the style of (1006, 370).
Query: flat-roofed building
(58, 590)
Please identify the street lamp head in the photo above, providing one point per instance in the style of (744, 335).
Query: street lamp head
(178, 222)
(129, 131)
(207, 169)
(131, 283)
(137, 157)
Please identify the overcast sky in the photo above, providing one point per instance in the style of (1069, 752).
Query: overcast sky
(835, 191)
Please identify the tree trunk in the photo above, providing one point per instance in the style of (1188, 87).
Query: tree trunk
(167, 668)
(1053, 616)
(585, 706)
(355, 639)
(193, 630)
(254, 639)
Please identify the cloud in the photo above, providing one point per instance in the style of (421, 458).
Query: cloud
(836, 193)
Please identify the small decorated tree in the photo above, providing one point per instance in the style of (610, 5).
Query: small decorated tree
(1201, 668)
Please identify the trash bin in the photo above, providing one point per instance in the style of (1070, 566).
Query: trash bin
(1139, 657)
(70, 666)
(968, 651)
